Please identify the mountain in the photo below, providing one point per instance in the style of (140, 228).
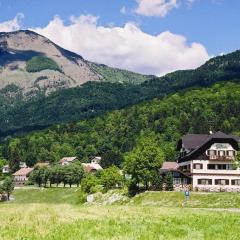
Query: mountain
(31, 62)
(115, 89)
(114, 134)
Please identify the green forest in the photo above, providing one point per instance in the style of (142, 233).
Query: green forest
(117, 135)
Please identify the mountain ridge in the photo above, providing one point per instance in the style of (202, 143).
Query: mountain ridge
(19, 47)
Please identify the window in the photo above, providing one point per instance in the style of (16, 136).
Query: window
(221, 153)
(184, 181)
(205, 181)
(220, 166)
(231, 153)
(236, 182)
(177, 181)
(221, 182)
(197, 166)
(185, 168)
(211, 152)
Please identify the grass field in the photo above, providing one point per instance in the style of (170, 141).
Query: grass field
(148, 216)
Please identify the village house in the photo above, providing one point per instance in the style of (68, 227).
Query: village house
(6, 169)
(94, 166)
(22, 165)
(208, 160)
(181, 180)
(67, 160)
(21, 176)
(91, 167)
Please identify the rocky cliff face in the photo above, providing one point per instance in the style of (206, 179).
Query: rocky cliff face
(18, 48)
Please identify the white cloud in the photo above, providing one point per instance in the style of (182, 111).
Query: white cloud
(155, 8)
(12, 25)
(126, 47)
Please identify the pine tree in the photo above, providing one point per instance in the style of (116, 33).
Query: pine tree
(169, 181)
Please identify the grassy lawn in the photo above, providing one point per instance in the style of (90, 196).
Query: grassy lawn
(48, 195)
(148, 216)
(196, 200)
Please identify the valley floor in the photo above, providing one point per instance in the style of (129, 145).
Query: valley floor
(148, 216)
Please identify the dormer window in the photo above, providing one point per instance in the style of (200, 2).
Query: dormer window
(221, 153)
(231, 153)
(211, 152)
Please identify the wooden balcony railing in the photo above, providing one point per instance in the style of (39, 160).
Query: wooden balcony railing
(220, 158)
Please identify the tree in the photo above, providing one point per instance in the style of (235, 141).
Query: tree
(8, 186)
(37, 176)
(169, 181)
(14, 155)
(237, 160)
(111, 178)
(144, 161)
(77, 174)
(45, 175)
(88, 183)
(157, 182)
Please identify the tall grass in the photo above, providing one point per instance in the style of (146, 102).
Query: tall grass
(64, 221)
(55, 214)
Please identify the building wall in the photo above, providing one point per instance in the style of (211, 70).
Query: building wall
(213, 186)
(204, 172)
(20, 179)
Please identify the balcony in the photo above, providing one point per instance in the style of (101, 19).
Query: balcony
(221, 158)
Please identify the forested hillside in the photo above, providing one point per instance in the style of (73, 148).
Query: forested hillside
(160, 121)
(95, 98)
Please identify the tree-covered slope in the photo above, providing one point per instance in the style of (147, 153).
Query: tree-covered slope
(116, 133)
(95, 98)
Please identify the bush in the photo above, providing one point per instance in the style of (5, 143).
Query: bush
(40, 63)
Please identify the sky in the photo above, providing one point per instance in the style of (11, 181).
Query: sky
(145, 36)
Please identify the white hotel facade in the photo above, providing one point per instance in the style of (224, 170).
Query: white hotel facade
(208, 161)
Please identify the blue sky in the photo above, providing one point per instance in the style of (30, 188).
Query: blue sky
(212, 23)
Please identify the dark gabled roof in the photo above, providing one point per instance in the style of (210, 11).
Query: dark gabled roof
(192, 141)
(199, 144)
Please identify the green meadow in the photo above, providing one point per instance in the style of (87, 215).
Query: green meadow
(58, 214)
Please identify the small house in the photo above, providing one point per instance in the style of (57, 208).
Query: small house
(91, 167)
(180, 179)
(6, 169)
(22, 165)
(22, 175)
(96, 160)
